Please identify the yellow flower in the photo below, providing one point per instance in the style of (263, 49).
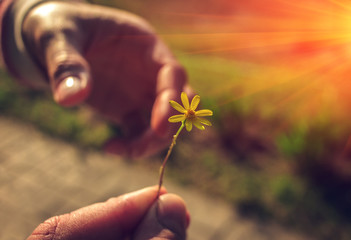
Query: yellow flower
(189, 115)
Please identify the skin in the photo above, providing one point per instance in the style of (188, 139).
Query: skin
(137, 215)
(113, 61)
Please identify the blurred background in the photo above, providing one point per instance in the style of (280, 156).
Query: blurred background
(277, 75)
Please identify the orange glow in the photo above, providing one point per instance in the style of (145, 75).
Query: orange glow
(300, 51)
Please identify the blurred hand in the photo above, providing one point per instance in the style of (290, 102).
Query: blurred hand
(113, 61)
(134, 216)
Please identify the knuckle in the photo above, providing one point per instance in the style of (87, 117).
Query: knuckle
(46, 22)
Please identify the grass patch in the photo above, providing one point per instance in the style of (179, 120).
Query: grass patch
(73, 124)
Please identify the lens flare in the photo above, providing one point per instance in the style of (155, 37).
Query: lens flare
(299, 51)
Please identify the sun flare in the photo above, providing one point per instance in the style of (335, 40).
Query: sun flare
(299, 51)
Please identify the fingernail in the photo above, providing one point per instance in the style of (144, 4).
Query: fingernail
(66, 88)
(72, 90)
(171, 213)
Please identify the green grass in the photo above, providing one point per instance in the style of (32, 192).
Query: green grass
(74, 124)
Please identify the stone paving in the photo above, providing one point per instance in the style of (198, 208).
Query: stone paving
(41, 176)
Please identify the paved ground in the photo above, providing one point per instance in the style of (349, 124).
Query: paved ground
(41, 177)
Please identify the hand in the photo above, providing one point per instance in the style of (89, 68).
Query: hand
(113, 61)
(134, 216)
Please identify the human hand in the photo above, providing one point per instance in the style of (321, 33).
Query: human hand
(136, 215)
(113, 61)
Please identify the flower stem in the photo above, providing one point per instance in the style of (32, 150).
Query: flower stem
(163, 166)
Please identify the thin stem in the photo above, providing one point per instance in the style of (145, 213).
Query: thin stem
(163, 166)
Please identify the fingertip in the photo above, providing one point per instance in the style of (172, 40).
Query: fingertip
(163, 190)
(189, 91)
(166, 219)
(72, 90)
(45, 230)
(162, 111)
(172, 213)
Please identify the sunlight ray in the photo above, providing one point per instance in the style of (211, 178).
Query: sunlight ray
(341, 4)
(300, 51)
(221, 42)
(293, 76)
(317, 8)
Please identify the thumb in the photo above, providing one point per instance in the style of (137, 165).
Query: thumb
(69, 73)
(166, 219)
(53, 37)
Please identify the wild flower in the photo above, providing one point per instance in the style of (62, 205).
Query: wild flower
(188, 118)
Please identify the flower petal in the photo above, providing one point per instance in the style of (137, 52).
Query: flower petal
(198, 125)
(195, 102)
(204, 113)
(176, 118)
(185, 100)
(204, 121)
(188, 125)
(177, 106)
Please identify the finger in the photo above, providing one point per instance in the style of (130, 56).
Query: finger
(189, 91)
(166, 219)
(55, 39)
(68, 72)
(113, 219)
(170, 83)
(143, 146)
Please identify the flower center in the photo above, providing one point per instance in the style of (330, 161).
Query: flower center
(190, 114)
